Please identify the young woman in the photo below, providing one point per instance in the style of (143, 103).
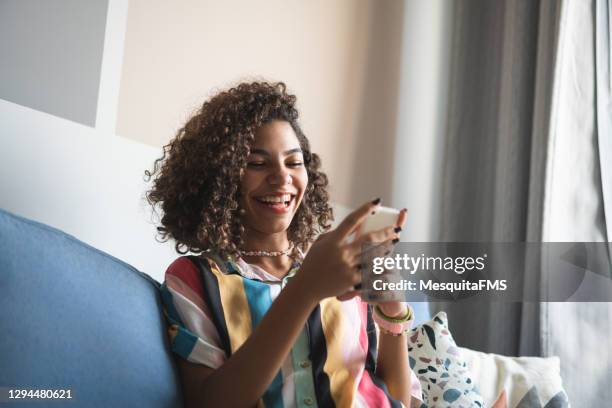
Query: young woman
(267, 312)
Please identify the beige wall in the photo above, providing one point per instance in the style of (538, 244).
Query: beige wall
(339, 57)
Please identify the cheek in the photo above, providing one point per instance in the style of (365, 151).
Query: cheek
(249, 182)
(302, 181)
(302, 178)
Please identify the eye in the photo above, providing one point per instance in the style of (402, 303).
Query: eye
(295, 164)
(255, 164)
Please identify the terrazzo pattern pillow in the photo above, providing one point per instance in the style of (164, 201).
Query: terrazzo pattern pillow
(437, 363)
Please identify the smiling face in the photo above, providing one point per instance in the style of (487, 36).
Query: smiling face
(274, 180)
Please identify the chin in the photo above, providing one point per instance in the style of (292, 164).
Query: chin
(274, 228)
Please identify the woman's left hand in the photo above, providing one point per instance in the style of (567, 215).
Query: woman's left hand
(392, 308)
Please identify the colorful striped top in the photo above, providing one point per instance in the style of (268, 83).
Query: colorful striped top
(213, 305)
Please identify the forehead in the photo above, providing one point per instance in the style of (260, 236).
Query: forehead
(276, 135)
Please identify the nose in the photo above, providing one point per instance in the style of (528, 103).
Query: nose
(280, 177)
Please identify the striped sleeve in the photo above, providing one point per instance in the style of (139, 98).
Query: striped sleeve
(191, 331)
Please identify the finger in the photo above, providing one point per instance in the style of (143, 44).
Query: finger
(357, 232)
(354, 219)
(375, 250)
(375, 243)
(379, 236)
(401, 218)
(362, 256)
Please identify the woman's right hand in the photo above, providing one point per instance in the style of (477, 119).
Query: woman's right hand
(331, 266)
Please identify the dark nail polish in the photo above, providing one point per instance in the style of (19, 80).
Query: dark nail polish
(376, 201)
(397, 229)
(387, 253)
(357, 286)
(395, 240)
(373, 212)
(404, 209)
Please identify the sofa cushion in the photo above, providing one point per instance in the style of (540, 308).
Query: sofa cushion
(532, 382)
(73, 317)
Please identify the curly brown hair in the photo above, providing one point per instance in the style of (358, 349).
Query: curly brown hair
(197, 179)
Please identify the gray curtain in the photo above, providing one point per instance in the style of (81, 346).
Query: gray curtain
(528, 156)
(495, 150)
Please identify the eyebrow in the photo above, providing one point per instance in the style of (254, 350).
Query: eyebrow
(285, 153)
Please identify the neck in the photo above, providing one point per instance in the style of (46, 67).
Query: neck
(257, 241)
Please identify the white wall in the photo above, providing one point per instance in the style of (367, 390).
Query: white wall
(426, 49)
(178, 55)
(81, 181)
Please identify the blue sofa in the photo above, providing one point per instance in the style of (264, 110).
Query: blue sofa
(75, 318)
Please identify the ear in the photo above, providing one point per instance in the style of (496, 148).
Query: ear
(501, 401)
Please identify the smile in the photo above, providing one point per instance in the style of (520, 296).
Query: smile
(277, 203)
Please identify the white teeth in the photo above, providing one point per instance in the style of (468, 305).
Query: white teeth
(275, 199)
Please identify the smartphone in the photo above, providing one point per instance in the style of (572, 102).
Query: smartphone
(383, 217)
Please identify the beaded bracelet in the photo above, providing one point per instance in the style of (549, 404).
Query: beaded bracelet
(391, 325)
(387, 332)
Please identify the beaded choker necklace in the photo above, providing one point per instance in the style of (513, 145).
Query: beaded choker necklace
(267, 253)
